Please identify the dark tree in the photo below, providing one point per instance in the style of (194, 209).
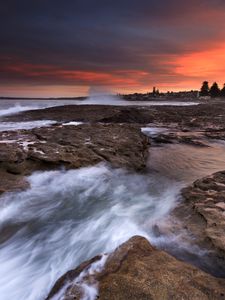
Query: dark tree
(204, 89)
(222, 92)
(214, 90)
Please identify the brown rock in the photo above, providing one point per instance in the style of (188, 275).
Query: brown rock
(136, 270)
(11, 182)
(72, 147)
(209, 115)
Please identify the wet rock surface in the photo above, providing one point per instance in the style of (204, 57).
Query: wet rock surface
(180, 138)
(136, 270)
(209, 118)
(11, 182)
(25, 151)
(203, 215)
(210, 115)
(216, 134)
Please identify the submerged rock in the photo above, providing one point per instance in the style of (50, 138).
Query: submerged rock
(177, 137)
(135, 271)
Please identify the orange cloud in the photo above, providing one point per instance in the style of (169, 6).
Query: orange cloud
(203, 65)
(175, 72)
(41, 72)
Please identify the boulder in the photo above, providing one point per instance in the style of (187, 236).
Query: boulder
(47, 148)
(136, 270)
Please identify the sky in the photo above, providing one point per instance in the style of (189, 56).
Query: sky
(51, 48)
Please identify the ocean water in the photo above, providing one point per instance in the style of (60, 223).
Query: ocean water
(66, 217)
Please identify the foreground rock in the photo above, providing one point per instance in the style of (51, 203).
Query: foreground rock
(199, 221)
(47, 148)
(135, 271)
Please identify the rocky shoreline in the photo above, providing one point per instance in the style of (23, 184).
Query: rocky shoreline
(25, 151)
(208, 116)
(203, 213)
(136, 270)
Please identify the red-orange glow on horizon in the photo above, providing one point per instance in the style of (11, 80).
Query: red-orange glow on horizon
(182, 72)
(204, 65)
(120, 77)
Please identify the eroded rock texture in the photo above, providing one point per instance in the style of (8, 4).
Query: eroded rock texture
(136, 270)
(47, 148)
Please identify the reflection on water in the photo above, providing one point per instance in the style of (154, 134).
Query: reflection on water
(185, 163)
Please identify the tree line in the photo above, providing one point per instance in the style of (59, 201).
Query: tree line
(214, 91)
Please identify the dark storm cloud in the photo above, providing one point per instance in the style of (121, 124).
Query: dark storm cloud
(101, 36)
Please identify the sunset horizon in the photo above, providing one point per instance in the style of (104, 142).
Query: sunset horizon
(55, 49)
(112, 150)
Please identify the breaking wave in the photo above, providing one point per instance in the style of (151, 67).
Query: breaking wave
(16, 109)
(5, 126)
